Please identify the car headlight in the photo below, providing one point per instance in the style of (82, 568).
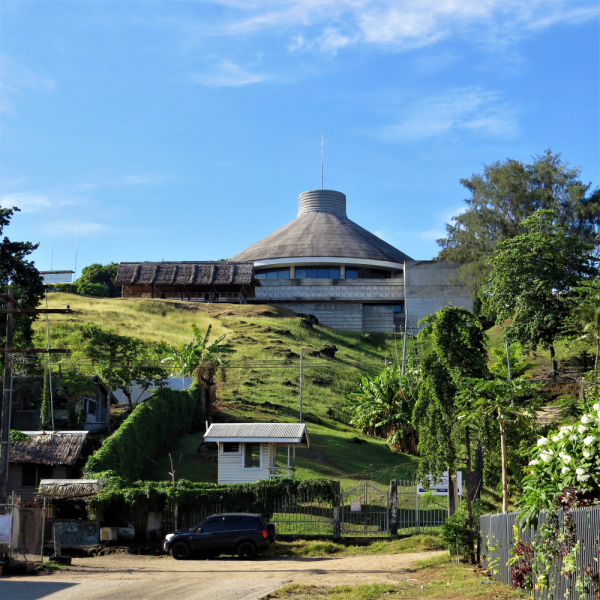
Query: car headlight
(169, 536)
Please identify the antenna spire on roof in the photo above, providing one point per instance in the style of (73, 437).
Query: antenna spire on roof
(322, 140)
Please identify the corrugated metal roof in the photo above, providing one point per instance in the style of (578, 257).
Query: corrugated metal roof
(218, 432)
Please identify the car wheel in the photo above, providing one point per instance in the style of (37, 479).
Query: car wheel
(246, 550)
(180, 550)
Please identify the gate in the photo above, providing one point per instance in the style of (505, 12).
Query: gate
(22, 531)
(365, 510)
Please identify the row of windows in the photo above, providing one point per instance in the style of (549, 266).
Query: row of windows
(323, 272)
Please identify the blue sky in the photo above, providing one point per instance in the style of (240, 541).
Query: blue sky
(186, 130)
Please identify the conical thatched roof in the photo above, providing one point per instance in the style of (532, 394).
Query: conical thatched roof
(322, 229)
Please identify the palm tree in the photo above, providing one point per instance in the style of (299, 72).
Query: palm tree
(589, 317)
(202, 359)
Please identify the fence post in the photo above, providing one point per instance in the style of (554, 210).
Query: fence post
(43, 531)
(336, 511)
(394, 508)
(56, 532)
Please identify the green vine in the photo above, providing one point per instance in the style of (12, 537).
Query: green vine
(16, 436)
(152, 427)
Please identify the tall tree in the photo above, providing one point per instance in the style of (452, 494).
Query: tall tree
(21, 274)
(504, 195)
(588, 315)
(534, 279)
(458, 352)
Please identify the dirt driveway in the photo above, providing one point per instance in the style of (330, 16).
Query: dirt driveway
(127, 577)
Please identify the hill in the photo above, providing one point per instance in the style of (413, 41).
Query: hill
(262, 383)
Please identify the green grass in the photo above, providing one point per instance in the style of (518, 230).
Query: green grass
(50, 567)
(435, 577)
(258, 390)
(308, 549)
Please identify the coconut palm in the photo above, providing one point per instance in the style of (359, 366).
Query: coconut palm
(589, 317)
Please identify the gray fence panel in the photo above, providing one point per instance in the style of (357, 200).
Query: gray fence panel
(498, 539)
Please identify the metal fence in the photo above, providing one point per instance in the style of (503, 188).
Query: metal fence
(22, 531)
(498, 538)
(360, 509)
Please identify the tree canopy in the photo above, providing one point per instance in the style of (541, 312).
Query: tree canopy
(534, 279)
(98, 274)
(20, 273)
(506, 193)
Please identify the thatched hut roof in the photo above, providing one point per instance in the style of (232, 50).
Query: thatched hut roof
(70, 489)
(48, 448)
(185, 273)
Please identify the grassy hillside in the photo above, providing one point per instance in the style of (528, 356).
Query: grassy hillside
(263, 381)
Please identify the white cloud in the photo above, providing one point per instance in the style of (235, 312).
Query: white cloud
(469, 109)
(227, 74)
(403, 24)
(31, 202)
(16, 80)
(139, 179)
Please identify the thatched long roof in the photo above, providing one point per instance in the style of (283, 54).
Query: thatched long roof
(185, 273)
(322, 229)
(72, 489)
(48, 448)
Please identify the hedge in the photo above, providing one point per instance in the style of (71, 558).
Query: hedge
(238, 497)
(153, 427)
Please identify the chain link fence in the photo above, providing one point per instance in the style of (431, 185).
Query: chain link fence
(22, 526)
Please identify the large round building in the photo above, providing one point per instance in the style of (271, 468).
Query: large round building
(321, 263)
(324, 264)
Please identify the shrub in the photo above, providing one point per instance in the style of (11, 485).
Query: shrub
(455, 532)
(85, 288)
(152, 427)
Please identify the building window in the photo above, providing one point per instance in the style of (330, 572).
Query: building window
(231, 448)
(277, 273)
(252, 456)
(32, 474)
(366, 273)
(323, 272)
(398, 308)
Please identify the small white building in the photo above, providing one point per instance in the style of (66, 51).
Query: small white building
(253, 451)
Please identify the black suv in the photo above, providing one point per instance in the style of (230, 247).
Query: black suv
(243, 533)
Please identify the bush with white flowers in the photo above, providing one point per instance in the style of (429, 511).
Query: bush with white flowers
(567, 459)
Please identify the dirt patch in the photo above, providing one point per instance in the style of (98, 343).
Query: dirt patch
(350, 570)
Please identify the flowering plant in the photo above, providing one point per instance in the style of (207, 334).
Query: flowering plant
(567, 458)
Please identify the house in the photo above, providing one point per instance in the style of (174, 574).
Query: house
(250, 452)
(27, 397)
(44, 455)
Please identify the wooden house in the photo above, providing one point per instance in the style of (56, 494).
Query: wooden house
(44, 455)
(205, 281)
(250, 452)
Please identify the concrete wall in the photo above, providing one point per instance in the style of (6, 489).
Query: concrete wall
(378, 319)
(430, 285)
(336, 315)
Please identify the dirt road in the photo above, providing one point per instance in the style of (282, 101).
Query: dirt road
(126, 577)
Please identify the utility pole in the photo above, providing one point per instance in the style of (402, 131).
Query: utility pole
(404, 344)
(15, 308)
(301, 381)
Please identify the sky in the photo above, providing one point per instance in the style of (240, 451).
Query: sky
(186, 130)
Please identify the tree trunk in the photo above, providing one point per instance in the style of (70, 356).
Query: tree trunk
(504, 468)
(596, 361)
(469, 496)
(554, 365)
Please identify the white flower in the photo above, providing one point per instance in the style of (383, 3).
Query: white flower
(596, 406)
(588, 440)
(545, 456)
(583, 478)
(586, 419)
(573, 437)
(582, 429)
(565, 470)
(586, 454)
(534, 462)
(567, 459)
(568, 427)
(542, 441)
(580, 471)
(555, 439)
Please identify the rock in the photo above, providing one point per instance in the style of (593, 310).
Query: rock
(327, 351)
